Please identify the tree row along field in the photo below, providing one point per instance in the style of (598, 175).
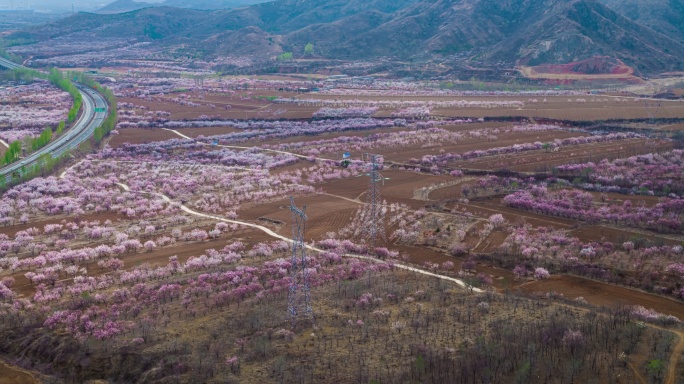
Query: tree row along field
(265, 98)
(157, 257)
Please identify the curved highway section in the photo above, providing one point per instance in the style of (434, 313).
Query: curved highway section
(83, 128)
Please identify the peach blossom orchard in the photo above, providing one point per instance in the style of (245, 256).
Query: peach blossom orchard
(129, 241)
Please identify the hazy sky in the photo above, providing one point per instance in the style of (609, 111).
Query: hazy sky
(58, 5)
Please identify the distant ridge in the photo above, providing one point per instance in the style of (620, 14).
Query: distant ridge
(122, 6)
(510, 32)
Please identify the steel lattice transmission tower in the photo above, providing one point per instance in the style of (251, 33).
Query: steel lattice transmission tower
(298, 297)
(375, 226)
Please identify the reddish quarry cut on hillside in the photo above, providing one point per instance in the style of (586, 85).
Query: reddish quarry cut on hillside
(595, 68)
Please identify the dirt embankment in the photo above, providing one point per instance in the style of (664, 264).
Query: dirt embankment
(602, 294)
(10, 374)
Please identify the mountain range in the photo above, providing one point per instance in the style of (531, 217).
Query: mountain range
(120, 6)
(649, 38)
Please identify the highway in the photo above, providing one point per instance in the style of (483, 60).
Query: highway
(9, 64)
(82, 130)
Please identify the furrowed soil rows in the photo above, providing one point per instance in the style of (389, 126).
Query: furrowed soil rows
(140, 136)
(11, 230)
(619, 236)
(571, 108)
(541, 160)
(209, 131)
(503, 140)
(602, 294)
(487, 208)
(325, 214)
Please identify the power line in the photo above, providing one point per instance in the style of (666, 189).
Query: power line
(298, 297)
(375, 226)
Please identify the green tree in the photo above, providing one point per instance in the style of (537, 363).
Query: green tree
(655, 368)
(309, 49)
(42, 140)
(285, 56)
(60, 127)
(420, 365)
(13, 152)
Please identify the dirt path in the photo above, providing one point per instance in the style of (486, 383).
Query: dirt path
(423, 193)
(678, 238)
(10, 374)
(677, 351)
(638, 374)
(357, 201)
(603, 294)
(310, 247)
(513, 211)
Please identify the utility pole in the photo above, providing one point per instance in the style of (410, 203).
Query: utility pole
(298, 297)
(375, 226)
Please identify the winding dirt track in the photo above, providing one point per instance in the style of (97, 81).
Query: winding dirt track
(309, 247)
(677, 351)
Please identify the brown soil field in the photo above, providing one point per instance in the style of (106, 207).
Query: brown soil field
(325, 214)
(626, 111)
(673, 127)
(328, 213)
(399, 187)
(616, 198)
(185, 250)
(324, 136)
(159, 256)
(567, 101)
(481, 207)
(504, 140)
(140, 136)
(596, 107)
(283, 111)
(398, 154)
(618, 236)
(602, 294)
(11, 230)
(477, 125)
(551, 100)
(491, 243)
(453, 192)
(237, 110)
(295, 76)
(418, 255)
(486, 208)
(543, 161)
(331, 221)
(208, 131)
